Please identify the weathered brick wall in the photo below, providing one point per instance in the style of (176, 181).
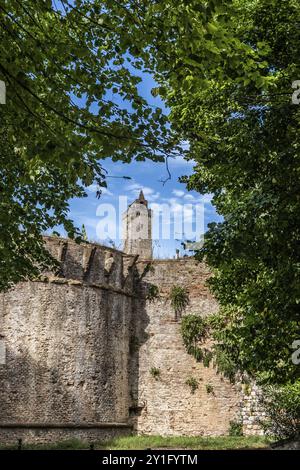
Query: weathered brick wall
(165, 405)
(67, 339)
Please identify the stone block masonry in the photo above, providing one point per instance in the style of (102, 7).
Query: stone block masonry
(165, 404)
(80, 345)
(67, 340)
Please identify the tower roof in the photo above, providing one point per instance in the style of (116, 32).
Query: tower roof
(140, 200)
(141, 196)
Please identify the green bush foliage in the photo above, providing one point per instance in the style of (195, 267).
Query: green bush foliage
(282, 407)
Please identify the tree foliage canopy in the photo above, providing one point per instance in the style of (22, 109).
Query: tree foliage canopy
(72, 72)
(72, 75)
(229, 87)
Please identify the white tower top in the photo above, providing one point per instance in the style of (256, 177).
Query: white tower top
(137, 228)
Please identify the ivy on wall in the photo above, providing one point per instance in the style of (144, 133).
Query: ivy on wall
(152, 293)
(179, 298)
(235, 428)
(193, 331)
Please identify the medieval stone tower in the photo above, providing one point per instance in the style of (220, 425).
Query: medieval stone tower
(137, 228)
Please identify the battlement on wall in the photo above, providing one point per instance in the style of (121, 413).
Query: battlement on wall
(90, 264)
(98, 265)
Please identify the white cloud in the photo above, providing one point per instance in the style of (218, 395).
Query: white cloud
(136, 188)
(88, 222)
(189, 197)
(178, 192)
(149, 193)
(154, 197)
(93, 188)
(206, 198)
(176, 206)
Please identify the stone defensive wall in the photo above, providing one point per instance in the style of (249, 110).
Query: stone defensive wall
(67, 343)
(81, 346)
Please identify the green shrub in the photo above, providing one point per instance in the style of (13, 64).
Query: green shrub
(207, 357)
(209, 388)
(192, 383)
(282, 407)
(247, 389)
(179, 300)
(224, 362)
(235, 428)
(152, 292)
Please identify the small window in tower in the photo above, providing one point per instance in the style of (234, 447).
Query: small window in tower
(138, 213)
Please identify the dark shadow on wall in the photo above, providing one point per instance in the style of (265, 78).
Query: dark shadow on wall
(32, 393)
(36, 406)
(138, 337)
(70, 366)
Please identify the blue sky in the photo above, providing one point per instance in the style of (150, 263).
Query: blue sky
(90, 211)
(147, 176)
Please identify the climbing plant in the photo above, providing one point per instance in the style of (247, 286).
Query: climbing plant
(179, 298)
(193, 331)
(235, 428)
(152, 292)
(207, 357)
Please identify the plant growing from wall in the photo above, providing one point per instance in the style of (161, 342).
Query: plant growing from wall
(207, 357)
(247, 389)
(235, 428)
(179, 298)
(84, 233)
(155, 372)
(149, 268)
(209, 389)
(193, 383)
(193, 331)
(152, 292)
(223, 361)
